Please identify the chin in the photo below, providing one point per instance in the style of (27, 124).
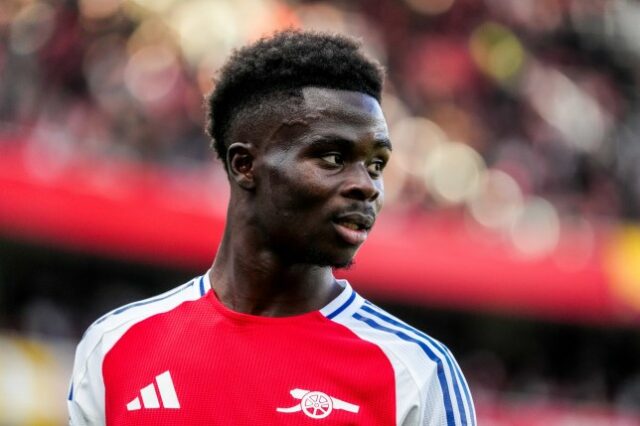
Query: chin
(333, 259)
(340, 262)
(344, 265)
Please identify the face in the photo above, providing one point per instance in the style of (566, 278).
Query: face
(319, 181)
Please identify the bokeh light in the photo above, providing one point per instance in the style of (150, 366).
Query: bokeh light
(536, 230)
(623, 264)
(497, 51)
(31, 27)
(567, 107)
(99, 9)
(415, 139)
(151, 73)
(430, 7)
(452, 172)
(104, 66)
(498, 201)
(203, 26)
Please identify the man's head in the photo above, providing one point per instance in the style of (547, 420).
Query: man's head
(296, 119)
(277, 68)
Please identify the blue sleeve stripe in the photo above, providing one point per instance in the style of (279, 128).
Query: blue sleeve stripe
(70, 397)
(344, 306)
(455, 375)
(370, 307)
(145, 302)
(465, 387)
(442, 379)
(202, 285)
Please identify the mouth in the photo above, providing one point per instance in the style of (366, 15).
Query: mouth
(353, 227)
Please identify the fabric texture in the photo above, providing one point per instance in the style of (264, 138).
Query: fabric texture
(184, 358)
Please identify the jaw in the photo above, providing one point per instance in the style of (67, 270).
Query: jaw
(334, 259)
(333, 252)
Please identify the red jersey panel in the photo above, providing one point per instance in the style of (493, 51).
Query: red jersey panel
(234, 369)
(182, 358)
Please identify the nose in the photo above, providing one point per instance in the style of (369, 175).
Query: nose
(360, 186)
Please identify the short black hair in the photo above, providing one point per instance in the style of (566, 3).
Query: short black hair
(285, 63)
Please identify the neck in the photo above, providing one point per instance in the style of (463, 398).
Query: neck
(251, 279)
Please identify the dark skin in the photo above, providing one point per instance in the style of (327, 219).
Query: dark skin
(300, 185)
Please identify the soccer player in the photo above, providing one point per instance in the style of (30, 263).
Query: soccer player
(268, 336)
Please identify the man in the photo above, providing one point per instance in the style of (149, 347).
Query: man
(268, 336)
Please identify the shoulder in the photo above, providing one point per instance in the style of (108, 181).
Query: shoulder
(426, 370)
(410, 348)
(413, 348)
(87, 388)
(122, 318)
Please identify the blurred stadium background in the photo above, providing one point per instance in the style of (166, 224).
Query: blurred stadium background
(511, 229)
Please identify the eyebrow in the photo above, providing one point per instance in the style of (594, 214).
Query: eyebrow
(378, 143)
(384, 143)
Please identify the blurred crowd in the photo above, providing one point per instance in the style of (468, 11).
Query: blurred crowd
(521, 116)
(510, 108)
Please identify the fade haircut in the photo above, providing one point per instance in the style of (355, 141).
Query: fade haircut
(277, 68)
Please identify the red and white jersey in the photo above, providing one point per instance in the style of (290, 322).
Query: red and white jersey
(182, 358)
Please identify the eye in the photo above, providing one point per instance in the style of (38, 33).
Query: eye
(333, 158)
(376, 167)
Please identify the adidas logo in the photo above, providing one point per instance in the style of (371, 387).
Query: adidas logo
(150, 397)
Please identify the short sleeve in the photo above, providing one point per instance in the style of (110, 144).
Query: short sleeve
(446, 397)
(85, 401)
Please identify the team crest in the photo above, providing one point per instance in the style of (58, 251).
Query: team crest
(317, 405)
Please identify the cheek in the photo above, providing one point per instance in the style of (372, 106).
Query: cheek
(380, 200)
(297, 190)
(294, 207)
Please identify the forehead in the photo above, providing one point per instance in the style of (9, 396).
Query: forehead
(341, 104)
(342, 114)
(327, 113)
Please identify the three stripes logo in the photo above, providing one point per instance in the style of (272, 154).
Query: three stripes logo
(149, 396)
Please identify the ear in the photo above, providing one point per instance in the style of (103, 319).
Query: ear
(240, 163)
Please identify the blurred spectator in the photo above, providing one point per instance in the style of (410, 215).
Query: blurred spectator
(543, 91)
(523, 114)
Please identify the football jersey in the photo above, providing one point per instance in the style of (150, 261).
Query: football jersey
(183, 358)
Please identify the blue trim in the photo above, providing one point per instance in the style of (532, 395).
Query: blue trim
(70, 397)
(343, 306)
(466, 392)
(455, 372)
(202, 285)
(145, 302)
(440, 371)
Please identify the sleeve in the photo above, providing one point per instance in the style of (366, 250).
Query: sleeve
(86, 391)
(433, 411)
(446, 399)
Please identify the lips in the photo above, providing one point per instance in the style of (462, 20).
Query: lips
(353, 227)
